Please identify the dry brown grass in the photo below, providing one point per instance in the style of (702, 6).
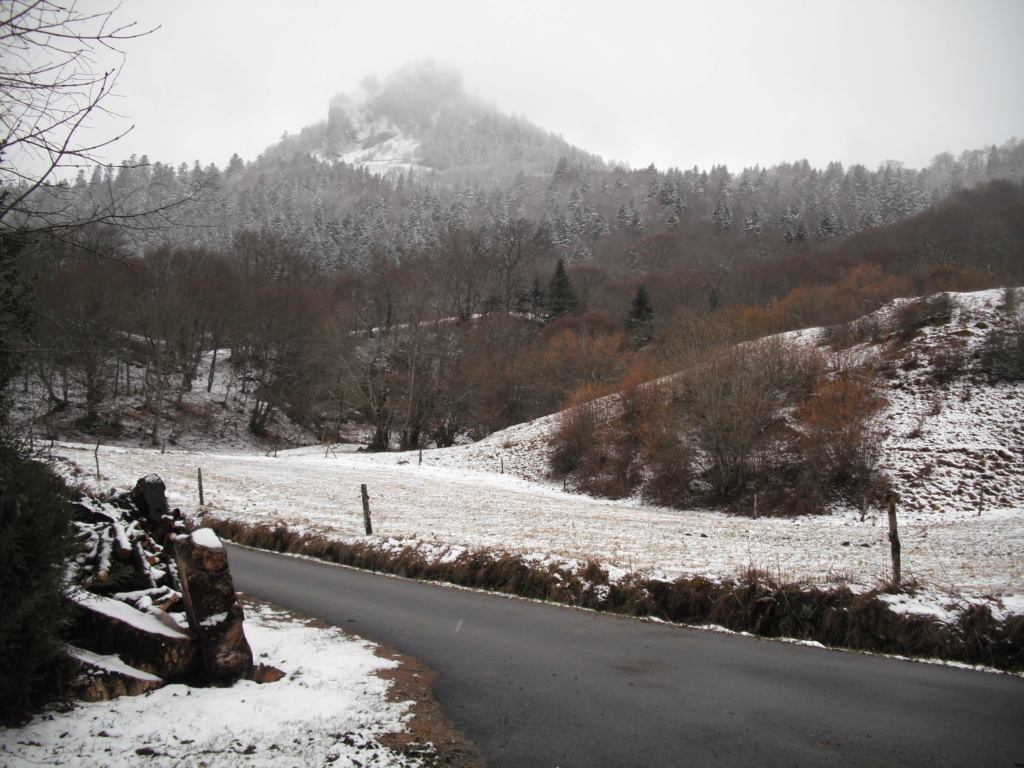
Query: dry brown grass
(752, 602)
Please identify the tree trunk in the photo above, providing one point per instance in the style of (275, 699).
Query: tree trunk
(213, 368)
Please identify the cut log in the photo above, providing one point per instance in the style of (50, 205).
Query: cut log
(264, 673)
(107, 626)
(104, 677)
(150, 497)
(213, 611)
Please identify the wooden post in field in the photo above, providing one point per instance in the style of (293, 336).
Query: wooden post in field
(421, 454)
(199, 473)
(366, 509)
(755, 506)
(981, 500)
(502, 465)
(894, 538)
(863, 507)
(96, 454)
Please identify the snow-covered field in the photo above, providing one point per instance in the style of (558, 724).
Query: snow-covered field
(451, 502)
(953, 450)
(331, 706)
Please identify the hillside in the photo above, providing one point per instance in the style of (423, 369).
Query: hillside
(420, 118)
(954, 439)
(951, 440)
(953, 436)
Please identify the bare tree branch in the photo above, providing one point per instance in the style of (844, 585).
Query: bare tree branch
(51, 85)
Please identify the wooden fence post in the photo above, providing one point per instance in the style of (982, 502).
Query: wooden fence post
(96, 454)
(199, 473)
(366, 509)
(894, 538)
(755, 506)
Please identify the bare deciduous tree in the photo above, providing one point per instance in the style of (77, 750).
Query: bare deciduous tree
(60, 66)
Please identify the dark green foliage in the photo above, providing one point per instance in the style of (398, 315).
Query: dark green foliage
(562, 298)
(640, 320)
(35, 531)
(35, 543)
(15, 312)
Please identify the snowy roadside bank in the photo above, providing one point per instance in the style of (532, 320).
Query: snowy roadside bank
(335, 703)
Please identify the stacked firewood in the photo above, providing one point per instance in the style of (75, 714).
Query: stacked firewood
(127, 554)
(152, 597)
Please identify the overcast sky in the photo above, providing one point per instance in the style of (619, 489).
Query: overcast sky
(673, 83)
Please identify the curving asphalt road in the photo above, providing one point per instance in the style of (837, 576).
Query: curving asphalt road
(537, 685)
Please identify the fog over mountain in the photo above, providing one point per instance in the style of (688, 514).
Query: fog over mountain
(687, 84)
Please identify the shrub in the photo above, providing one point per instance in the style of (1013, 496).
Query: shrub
(627, 441)
(35, 543)
(575, 435)
(846, 335)
(733, 401)
(921, 313)
(1002, 354)
(948, 363)
(840, 441)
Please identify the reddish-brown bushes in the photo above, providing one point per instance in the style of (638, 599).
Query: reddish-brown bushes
(763, 418)
(617, 444)
(840, 442)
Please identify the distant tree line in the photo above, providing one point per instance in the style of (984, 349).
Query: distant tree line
(488, 327)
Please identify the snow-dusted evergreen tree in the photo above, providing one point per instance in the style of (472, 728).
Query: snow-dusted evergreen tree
(629, 217)
(753, 224)
(722, 216)
(599, 227)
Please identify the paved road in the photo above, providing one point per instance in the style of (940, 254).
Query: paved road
(536, 685)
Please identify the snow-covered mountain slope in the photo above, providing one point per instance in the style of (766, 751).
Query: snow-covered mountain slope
(954, 446)
(420, 118)
(954, 440)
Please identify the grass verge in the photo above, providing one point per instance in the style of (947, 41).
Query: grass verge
(752, 602)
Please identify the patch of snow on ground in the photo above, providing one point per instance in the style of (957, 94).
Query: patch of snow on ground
(445, 509)
(329, 707)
